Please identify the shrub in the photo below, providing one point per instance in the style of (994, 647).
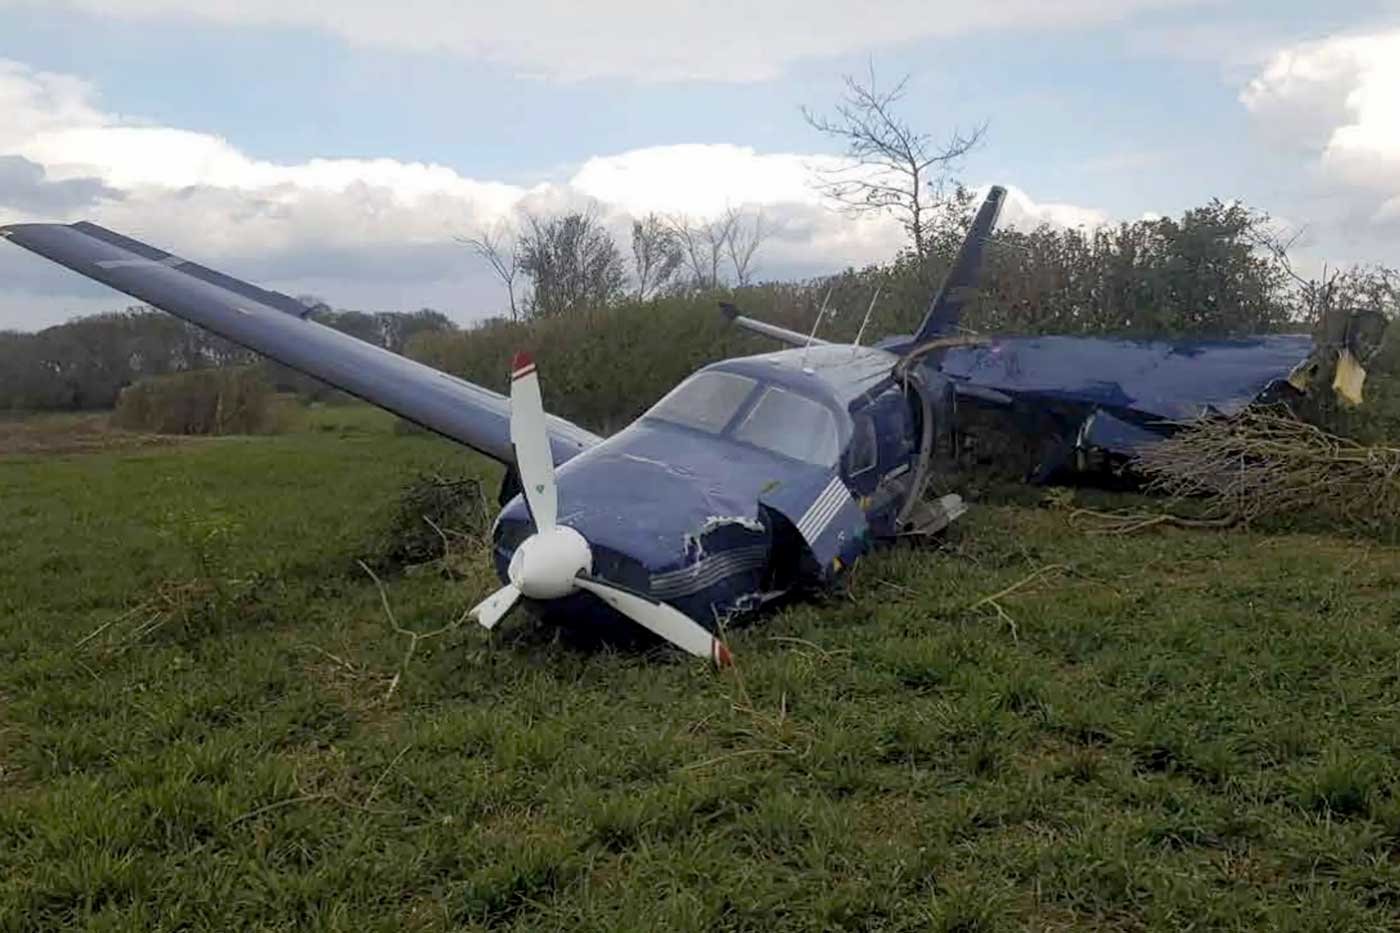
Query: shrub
(206, 401)
(432, 508)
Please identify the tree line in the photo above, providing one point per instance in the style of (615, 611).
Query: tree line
(1202, 274)
(85, 363)
(1219, 269)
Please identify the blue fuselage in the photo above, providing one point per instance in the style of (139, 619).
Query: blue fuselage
(699, 505)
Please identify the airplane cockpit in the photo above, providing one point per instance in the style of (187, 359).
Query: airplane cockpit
(741, 408)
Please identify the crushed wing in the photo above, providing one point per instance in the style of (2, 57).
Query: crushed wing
(277, 326)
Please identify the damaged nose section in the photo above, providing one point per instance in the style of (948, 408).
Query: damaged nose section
(557, 560)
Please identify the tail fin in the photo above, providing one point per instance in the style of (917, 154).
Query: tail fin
(958, 288)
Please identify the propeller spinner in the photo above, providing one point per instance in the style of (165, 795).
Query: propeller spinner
(556, 561)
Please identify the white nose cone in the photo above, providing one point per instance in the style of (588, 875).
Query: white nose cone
(546, 563)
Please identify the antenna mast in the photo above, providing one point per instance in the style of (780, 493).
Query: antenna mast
(815, 324)
(866, 320)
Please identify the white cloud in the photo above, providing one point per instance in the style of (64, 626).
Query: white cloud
(698, 179)
(1021, 212)
(1339, 99)
(722, 40)
(379, 232)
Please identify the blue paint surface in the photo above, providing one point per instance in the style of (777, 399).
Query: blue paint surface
(1172, 381)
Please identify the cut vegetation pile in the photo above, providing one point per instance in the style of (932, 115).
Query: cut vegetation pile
(208, 401)
(1264, 463)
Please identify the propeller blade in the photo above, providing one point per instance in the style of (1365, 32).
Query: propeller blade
(671, 624)
(534, 460)
(493, 608)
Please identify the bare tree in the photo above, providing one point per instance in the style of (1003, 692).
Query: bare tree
(656, 254)
(697, 250)
(1374, 287)
(891, 168)
(573, 262)
(743, 238)
(501, 249)
(704, 246)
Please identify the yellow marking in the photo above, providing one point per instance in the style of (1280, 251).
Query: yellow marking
(1350, 378)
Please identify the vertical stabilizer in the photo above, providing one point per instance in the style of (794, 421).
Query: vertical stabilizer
(945, 311)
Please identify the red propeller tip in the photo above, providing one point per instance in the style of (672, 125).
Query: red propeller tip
(721, 654)
(520, 364)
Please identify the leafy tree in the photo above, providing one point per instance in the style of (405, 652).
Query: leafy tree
(573, 263)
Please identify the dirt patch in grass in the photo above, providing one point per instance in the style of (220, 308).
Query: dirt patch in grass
(46, 435)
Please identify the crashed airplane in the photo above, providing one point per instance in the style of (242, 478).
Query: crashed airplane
(756, 476)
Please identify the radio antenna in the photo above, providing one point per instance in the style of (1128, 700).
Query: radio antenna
(860, 333)
(815, 324)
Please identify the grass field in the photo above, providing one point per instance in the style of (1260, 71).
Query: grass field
(200, 725)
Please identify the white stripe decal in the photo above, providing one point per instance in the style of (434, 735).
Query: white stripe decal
(829, 507)
(817, 505)
(829, 519)
(819, 514)
(821, 521)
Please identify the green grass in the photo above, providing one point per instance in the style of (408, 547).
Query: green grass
(1177, 729)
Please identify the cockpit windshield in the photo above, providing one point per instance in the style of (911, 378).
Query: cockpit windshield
(792, 425)
(706, 401)
(781, 421)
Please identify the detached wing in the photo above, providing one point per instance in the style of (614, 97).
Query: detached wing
(277, 326)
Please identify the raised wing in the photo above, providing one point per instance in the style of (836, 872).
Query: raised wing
(277, 326)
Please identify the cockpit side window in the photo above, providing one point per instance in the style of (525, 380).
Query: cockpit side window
(706, 401)
(863, 452)
(789, 424)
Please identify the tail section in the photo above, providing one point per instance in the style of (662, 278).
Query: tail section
(945, 311)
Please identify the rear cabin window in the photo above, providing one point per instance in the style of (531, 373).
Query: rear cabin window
(789, 424)
(863, 452)
(706, 401)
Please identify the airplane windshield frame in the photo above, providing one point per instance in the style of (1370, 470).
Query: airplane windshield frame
(771, 417)
(793, 425)
(707, 401)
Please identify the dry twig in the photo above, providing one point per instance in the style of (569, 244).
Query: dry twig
(1126, 523)
(413, 637)
(994, 600)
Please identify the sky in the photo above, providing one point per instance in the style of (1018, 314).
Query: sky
(339, 149)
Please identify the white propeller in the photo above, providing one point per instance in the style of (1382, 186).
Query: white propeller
(556, 560)
(671, 624)
(534, 460)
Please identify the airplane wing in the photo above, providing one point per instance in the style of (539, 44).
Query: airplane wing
(789, 337)
(277, 326)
